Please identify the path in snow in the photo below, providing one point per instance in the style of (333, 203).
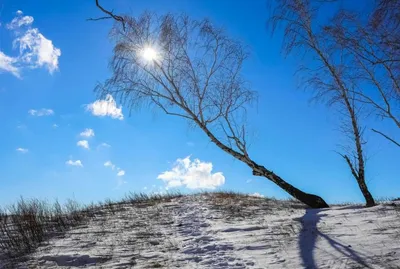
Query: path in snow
(199, 243)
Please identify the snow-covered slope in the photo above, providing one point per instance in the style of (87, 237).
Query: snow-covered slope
(211, 231)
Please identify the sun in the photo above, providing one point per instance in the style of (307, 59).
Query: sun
(149, 54)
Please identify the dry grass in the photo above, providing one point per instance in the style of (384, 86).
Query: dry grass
(150, 199)
(27, 223)
(236, 205)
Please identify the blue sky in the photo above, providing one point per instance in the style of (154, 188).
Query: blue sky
(47, 105)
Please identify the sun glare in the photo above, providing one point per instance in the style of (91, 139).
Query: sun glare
(149, 54)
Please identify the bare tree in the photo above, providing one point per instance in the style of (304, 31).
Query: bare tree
(189, 69)
(328, 76)
(373, 50)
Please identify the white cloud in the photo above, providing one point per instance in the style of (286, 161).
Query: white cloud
(55, 126)
(8, 64)
(193, 175)
(106, 107)
(249, 180)
(121, 173)
(109, 164)
(83, 143)
(35, 50)
(159, 190)
(20, 21)
(22, 150)
(104, 145)
(256, 194)
(87, 132)
(74, 163)
(41, 112)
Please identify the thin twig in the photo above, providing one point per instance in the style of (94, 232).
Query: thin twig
(110, 14)
(387, 137)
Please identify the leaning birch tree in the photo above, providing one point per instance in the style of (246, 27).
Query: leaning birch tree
(189, 69)
(328, 76)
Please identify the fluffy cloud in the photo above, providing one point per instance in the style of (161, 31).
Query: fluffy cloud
(106, 107)
(41, 112)
(7, 64)
(121, 173)
(35, 50)
(83, 143)
(109, 164)
(22, 150)
(256, 194)
(20, 21)
(74, 163)
(87, 132)
(192, 174)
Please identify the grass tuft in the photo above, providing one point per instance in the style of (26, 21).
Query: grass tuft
(27, 223)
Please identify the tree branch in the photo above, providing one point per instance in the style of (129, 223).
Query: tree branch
(110, 14)
(387, 137)
(353, 171)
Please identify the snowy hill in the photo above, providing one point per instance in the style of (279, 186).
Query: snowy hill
(226, 231)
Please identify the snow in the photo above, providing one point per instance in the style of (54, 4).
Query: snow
(202, 231)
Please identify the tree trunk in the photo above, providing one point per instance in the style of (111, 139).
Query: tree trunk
(367, 195)
(369, 199)
(311, 200)
(360, 174)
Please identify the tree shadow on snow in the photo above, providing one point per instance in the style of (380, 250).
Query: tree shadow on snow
(309, 235)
